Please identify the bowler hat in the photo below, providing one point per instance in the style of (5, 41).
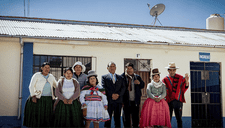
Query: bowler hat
(91, 73)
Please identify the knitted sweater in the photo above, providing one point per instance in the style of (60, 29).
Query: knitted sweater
(37, 84)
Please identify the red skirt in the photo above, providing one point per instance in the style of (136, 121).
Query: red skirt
(154, 113)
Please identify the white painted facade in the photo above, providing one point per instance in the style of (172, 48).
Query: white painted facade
(9, 80)
(102, 53)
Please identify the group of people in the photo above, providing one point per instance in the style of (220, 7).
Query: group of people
(78, 97)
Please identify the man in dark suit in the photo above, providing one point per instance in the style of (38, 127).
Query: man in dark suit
(132, 96)
(115, 88)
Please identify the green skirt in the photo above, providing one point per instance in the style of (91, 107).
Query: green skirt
(39, 114)
(68, 115)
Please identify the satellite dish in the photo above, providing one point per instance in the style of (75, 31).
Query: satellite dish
(157, 10)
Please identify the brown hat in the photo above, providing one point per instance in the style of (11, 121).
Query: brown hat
(171, 65)
(155, 71)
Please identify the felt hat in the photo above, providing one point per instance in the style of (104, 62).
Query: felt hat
(172, 65)
(91, 73)
(155, 71)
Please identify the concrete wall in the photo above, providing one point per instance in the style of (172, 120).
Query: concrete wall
(9, 80)
(104, 52)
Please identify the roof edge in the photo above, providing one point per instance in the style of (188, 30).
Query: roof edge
(117, 41)
(110, 24)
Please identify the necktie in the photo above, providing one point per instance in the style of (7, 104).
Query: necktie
(114, 79)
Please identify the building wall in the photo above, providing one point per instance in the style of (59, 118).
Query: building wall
(102, 53)
(160, 55)
(9, 80)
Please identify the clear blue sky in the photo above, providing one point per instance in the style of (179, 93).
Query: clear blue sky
(178, 13)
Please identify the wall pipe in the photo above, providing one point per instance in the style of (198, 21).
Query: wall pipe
(21, 76)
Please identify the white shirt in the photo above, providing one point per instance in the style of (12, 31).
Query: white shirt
(68, 88)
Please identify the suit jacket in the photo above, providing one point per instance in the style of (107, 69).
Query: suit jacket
(137, 88)
(110, 88)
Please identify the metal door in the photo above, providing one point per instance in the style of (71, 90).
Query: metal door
(206, 100)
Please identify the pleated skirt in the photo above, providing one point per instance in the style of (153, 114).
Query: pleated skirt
(154, 113)
(39, 114)
(96, 112)
(68, 115)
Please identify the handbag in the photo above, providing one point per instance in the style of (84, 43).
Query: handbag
(84, 111)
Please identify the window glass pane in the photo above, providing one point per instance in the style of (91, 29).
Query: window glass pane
(36, 69)
(55, 61)
(88, 67)
(68, 61)
(36, 60)
(43, 59)
(56, 72)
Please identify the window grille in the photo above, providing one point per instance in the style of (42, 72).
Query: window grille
(59, 63)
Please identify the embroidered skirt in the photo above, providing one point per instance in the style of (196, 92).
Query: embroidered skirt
(96, 111)
(68, 115)
(154, 113)
(39, 114)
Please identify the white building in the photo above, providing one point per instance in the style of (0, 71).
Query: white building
(199, 52)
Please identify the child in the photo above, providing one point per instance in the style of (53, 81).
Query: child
(93, 98)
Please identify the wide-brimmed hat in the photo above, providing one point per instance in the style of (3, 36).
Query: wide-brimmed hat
(91, 73)
(155, 71)
(79, 63)
(171, 65)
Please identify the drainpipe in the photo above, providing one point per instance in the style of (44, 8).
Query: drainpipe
(21, 77)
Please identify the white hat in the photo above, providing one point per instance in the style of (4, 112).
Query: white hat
(79, 63)
(171, 65)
